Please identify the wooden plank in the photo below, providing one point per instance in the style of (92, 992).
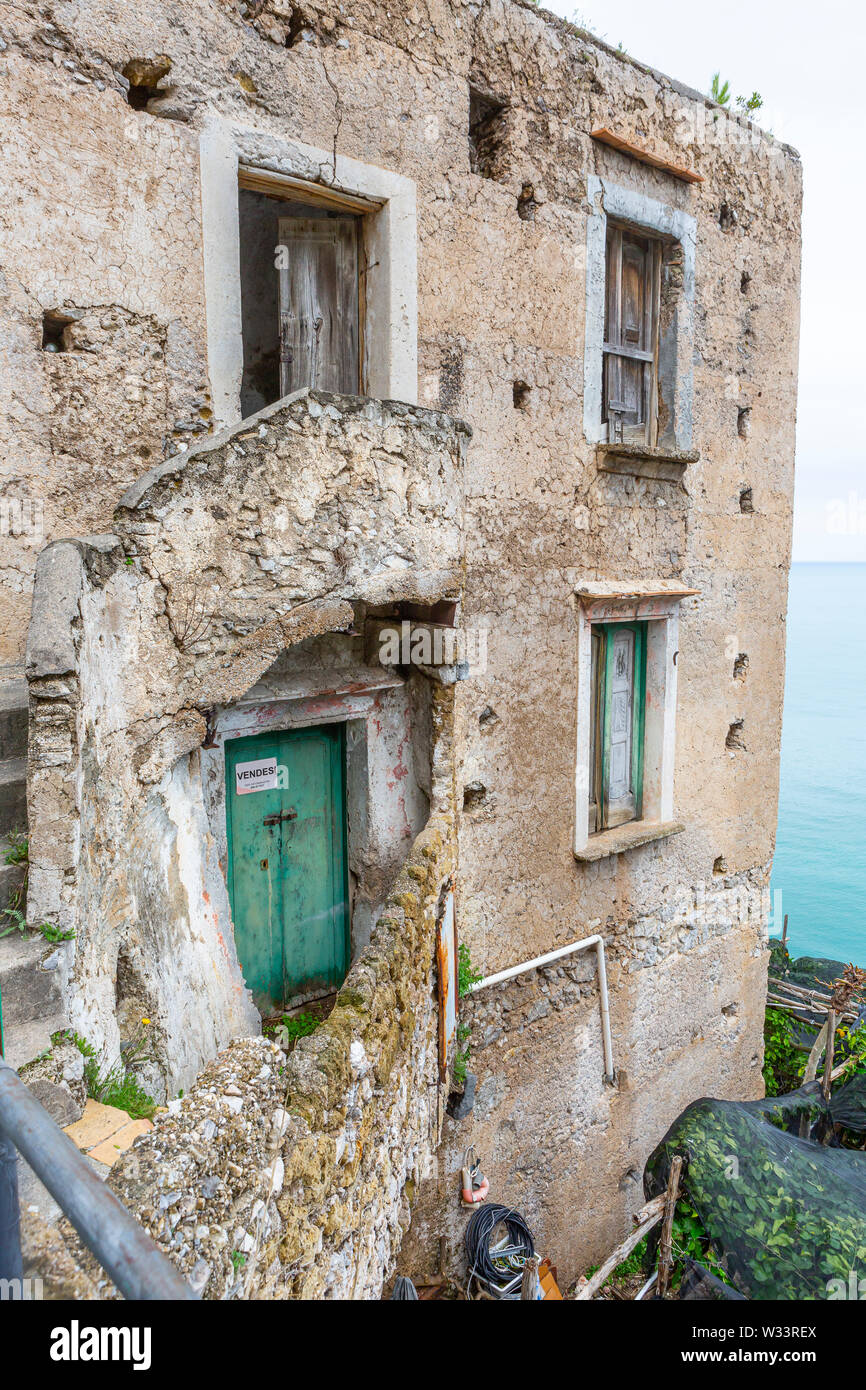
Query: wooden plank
(317, 195)
(616, 142)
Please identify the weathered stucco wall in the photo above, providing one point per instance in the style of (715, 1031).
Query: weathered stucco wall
(224, 557)
(107, 222)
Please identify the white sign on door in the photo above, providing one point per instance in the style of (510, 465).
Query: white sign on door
(256, 777)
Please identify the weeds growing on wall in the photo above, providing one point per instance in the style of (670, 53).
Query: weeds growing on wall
(117, 1086)
(287, 1029)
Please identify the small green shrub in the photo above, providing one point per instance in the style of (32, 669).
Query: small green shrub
(117, 1086)
(287, 1030)
(467, 975)
(18, 849)
(784, 1062)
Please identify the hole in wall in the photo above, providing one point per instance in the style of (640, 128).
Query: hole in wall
(474, 795)
(720, 864)
(744, 421)
(486, 133)
(734, 739)
(745, 282)
(488, 717)
(54, 326)
(527, 204)
(730, 1010)
(746, 502)
(144, 76)
(300, 29)
(520, 393)
(727, 217)
(741, 666)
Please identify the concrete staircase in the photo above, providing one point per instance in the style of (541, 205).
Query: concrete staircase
(30, 995)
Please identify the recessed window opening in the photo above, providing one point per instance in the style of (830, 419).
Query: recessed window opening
(300, 270)
(617, 701)
(486, 133)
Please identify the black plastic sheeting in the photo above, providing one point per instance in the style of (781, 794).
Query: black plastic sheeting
(783, 1205)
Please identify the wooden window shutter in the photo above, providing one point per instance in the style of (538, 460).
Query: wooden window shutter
(617, 715)
(319, 304)
(630, 338)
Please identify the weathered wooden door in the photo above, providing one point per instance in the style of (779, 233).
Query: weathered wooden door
(286, 821)
(319, 308)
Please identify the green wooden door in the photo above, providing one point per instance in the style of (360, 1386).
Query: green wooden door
(286, 821)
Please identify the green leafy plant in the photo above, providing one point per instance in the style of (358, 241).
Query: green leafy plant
(784, 1062)
(287, 1030)
(467, 975)
(720, 92)
(238, 1260)
(18, 922)
(18, 849)
(749, 105)
(55, 934)
(117, 1086)
(459, 1068)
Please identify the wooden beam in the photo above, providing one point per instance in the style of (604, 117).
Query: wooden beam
(301, 191)
(616, 142)
(666, 1256)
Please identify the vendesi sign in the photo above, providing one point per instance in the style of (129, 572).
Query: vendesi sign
(259, 776)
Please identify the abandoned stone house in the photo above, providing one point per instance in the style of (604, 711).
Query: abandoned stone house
(397, 472)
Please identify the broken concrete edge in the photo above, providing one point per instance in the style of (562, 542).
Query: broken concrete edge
(62, 570)
(136, 497)
(625, 837)
(645, 461)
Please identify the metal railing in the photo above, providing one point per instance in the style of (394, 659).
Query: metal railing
(123, 1248)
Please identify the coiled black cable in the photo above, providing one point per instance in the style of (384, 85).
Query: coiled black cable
(499, 1270)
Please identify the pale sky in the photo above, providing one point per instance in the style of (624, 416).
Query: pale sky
(806, 60)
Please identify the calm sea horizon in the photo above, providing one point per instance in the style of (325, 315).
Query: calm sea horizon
(820, 863)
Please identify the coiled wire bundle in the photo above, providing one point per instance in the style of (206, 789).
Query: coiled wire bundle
(498, 1268)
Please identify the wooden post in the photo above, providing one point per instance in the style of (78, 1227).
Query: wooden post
(785, 930)
(666, 1242)
(831, 1047)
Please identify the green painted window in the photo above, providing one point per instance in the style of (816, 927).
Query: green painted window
(617, 724)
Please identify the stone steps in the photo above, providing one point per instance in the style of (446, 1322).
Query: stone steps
(13, 755)
(13, 794)
(30, 995)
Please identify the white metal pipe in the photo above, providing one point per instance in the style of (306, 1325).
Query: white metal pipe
(550, 956)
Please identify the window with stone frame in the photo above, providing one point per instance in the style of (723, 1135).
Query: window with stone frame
(631, 336)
